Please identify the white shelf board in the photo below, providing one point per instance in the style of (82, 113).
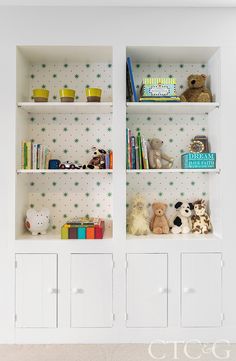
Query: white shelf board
(66, 108)
(65, 171)
(217, 171)
(174, 237)
(170, 108)
(27, 236)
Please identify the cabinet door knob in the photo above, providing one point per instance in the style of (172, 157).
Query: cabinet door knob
(188, 290)
(77, 290)
(52, 290)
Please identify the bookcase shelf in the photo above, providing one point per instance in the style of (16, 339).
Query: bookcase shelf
(216, 171)
(63, 171)
(66, 108)
(171, 108)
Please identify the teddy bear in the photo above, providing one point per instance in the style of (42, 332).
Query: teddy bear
(155, 155)
(138, 221)
(98, 159)
(181, 221)
(37, 222)
(197, 91)
(201, 223)
(159, 223)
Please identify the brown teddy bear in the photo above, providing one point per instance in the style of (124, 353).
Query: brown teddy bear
(155, 155)
(159, 223)
(197, 91)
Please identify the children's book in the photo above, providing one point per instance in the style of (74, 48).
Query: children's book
(130, 71)
(140, 157)
(133, 152)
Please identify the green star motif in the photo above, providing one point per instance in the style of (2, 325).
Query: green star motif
(193, 183)
(109, 86)
(98, 184)
(127, 119)
(160, 194)
(98, 118)
(65, 129)
(32, 140)
(54, 75)
(148, 75)
(98, 205)
(149, 118)
(43, 129)
(42, 194)
(65, 65)
(87, 65)
(32, 184)
(192, 118)
(181, 129)
(109, 129)
(181, 86)
(87, 215)
(171, 140)
(109, 215)
(98, 140)
(170, 204)
(64, 215)
(75, 205)
(54, 205)
(87, 86)
(109, 194)
(203, 65)
(54, 140)
(127, 184)
(149, 205)
(76, 184)
(32, 76)
(137, 129)
(54, 184)
(149, 183)
(170, 119)
(171, 183)
(54, 118)
(76, 119)
(65, 194)
(65, 86)
(137, 65)
(182, 194)
(98, 75)
(127, 205)
(181, 151)
(54, 97)
(159, 65)
(170, 76)
(43, 65)
(203, 193)
(87, 129)
(181, 65)
(31, 205)
(54, 227)
(203, 129)
(87, 194)
(76, 140)
(76, 76)
(65, 151)
(77, 97)
(32, 119)
(43, 86)
(87, 151)
(160, 129)
(109, 65)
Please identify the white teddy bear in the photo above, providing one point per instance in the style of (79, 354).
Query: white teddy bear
(37, 222)
(138, 221)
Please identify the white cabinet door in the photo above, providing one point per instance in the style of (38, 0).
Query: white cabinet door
(201, 290)
(36, 290)
(91, 290)
(147, 290)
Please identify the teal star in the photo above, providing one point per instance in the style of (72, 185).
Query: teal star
(65, 151)
(98, 75)
(76, 140)
(76, 119)
(32, 184)
(98, 184)
(75, 205)
(109, 194)
(54, 75)
(76, 184)
(76, 76)
(54, 205)
(54, 140)
(65, 194)
(65, 129)
(87, 129)
(32, 119)
(31, 205)
(98, 205)
(43, 65)
(54, 183)
(32, 76)
(109, 129)
(87, 194)
(98, 140)
(43, 194)
(65, 65)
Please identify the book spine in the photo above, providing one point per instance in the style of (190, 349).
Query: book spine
(140, 151)
(136, 155)
(22, 155)
(133, 152)
(28, 147)
(107, 161)
(38, 155)
(111, 159)
(127, 149)
(129, 62)
(130, 150)
(145, 154)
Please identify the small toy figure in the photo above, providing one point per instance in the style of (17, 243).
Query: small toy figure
(138, 222)
(201, 223)
(156, 156)
(69, 165)
(181, 222)
(98, 159)
(159, 223)
(37, 222)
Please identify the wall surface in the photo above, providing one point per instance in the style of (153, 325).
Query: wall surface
(117, 27)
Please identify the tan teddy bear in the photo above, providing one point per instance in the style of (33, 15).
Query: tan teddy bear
(197, 91)
(155, 155)
(159, 223)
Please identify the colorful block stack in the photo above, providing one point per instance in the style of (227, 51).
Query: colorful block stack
(83, 228)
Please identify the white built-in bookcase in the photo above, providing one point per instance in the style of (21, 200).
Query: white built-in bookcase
(123, 267)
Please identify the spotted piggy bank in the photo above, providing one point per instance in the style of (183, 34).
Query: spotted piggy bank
(37, 222)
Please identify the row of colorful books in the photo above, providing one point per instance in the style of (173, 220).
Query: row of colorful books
(34, 156)
(136, 151)
(83, 228)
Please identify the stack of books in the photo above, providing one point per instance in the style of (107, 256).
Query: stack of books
(34, 156)
(109, 160)
(159, 90)
(83, 228)
(136, 151)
